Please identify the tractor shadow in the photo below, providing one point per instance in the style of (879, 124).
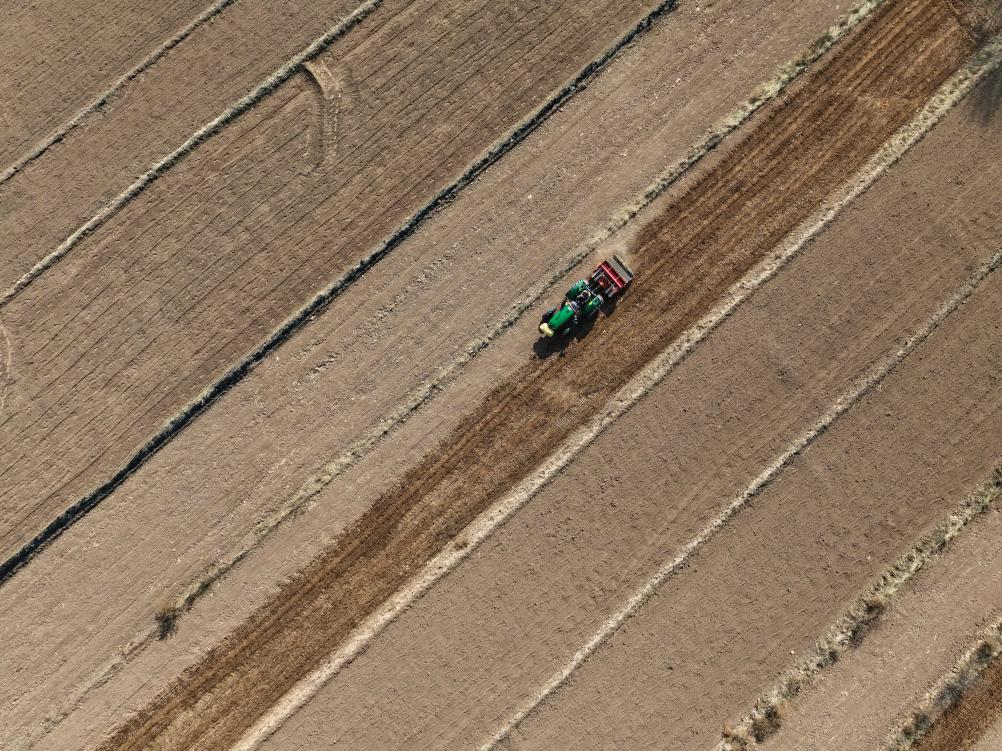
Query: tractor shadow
(546, 347)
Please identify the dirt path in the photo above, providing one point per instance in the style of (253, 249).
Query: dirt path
(202, 497)
(57, 57)
(240, 237)
(876, 80)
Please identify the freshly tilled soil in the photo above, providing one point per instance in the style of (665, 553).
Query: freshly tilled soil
(809, 144)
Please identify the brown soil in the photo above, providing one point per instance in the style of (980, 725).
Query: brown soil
(57, 57)
(963, 725)
(228, 253)
(818, 137)
(195, 500)
(488, 636)
(860, 701)
(752, 600)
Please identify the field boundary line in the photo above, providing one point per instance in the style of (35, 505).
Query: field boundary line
(98, 104)
(638, 387)
(359, 449)
(7, 362)
(326, 295)
(203, 134)
(949, 690)
(850, 628)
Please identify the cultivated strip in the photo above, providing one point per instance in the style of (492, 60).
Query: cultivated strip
(154, 57)
(372, 438)
(322, 298)
(848, 630)
(633, 391)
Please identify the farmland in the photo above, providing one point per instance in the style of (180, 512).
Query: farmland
(286, 465)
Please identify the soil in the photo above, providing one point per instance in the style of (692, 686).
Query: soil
(964, 725)
(202, 494)
(241, 235)
(150, 117)
(920, 637)
(57, 57)
(703, 243)
(719, 632)
(201, 265)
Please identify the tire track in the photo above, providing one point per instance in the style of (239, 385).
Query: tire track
(273, 81)
(371, 439)
(152, 59)
(686, 261)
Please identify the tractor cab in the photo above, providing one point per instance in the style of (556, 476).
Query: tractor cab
(586, 297)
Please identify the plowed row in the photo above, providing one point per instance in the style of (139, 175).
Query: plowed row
(809, 144)
(193, 274)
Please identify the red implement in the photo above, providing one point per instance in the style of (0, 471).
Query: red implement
(611, 277)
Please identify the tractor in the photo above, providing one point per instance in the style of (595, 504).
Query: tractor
(586, 297)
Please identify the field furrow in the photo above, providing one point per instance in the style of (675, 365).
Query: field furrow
(174, 292)
(816, 139)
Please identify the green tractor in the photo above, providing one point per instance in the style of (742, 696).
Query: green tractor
(586, 297)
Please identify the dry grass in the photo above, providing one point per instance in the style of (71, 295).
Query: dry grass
(165, 617)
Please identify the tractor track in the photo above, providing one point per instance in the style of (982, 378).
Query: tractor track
(319, 300)
(813, 141)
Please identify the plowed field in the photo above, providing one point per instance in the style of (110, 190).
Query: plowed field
(275, 345)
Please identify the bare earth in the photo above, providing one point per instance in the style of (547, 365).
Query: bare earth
(921, 636)
(593, 536)
(241, 235)
(497, 227)
(331, 468)
(57, 57)
(723, 225)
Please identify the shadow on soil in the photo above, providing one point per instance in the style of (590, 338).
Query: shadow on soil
(987, 99)
(546, 347)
